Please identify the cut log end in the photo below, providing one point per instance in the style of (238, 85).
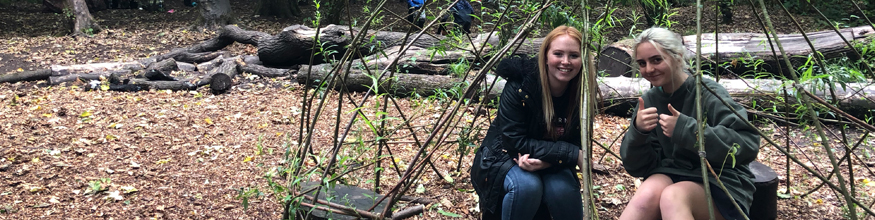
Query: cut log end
(220, 83)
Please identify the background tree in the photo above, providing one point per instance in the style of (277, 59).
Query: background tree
(335, 11)
(83, 23)
(278, 8)
(215, 14)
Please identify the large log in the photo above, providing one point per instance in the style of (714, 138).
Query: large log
(59, 70)
(357, 81)
(294, 44)
(622, 93)
(26, 76)
(616, 58)
(84, 77)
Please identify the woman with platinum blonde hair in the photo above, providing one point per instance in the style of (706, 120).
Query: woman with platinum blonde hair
(660, 145)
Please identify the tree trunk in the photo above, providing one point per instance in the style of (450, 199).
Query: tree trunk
(279, 8)
(293, 45)
(622, 92)
(616, 58)
(84, 23)
(26, 76)
(215, 14)
(334, 14)
(405, 84)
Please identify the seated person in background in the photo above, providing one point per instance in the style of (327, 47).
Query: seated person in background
(661, 142)
(528, 156)
(462, 18)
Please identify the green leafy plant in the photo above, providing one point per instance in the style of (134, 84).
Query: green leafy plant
(245, 194)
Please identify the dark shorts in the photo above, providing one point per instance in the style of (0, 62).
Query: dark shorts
(721, 200)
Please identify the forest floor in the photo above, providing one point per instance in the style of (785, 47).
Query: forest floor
(70, 154)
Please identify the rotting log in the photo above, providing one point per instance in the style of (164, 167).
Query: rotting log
(209, 65)
(622, 92)
(293, 45)
(616, 58)
(166, 65)
(84, 77)
(222, 78)
(357, 81)
(60, 70)
(263, 71)
(415, 60)
(35, 75)
(181, 55)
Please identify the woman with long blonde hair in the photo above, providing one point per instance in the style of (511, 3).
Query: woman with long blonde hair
(525, 165)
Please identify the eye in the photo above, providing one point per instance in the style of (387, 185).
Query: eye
(642, 64)
(656, 60)
(574, 56)
(557, 53)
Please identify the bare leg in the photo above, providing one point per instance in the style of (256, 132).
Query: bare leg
(685, 200)
(645, 203)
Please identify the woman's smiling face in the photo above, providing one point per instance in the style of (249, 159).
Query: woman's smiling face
(563, 60)
(653, 65)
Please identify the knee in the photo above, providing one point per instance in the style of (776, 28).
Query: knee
(561, 184)
(525, 188)
(523, 183)
(646, 199)
(673, 197)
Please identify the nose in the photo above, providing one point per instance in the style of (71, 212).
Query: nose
(648, 68)
(566, 60)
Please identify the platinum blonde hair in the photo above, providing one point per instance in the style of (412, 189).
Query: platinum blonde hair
(665, 41)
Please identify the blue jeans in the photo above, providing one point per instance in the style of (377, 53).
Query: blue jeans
(559, 191)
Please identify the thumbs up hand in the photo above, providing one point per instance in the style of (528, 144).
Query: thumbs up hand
(667, 122)
(646, 119)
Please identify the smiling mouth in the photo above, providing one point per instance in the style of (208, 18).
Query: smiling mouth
(564, 70)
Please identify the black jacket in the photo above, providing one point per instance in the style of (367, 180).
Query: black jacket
(519, 128)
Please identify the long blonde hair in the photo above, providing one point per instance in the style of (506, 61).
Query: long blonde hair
(573, 85)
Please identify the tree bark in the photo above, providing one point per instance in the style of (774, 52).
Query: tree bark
(334, 14)
(279, 8)
(26, 76)
(616, 58)
(405, 84)
(266, 71)
(293, 45)
(84, 23)
(215, 14)
(623, 93)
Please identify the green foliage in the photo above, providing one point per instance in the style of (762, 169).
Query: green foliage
(658, 12)
(245, 194)
(459, 69)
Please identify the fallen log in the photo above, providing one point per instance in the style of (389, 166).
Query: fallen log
(35, 75)
(222, 78)
(415, 60)
(357, 81)
(621, 93)
(209, 65)
(166, 65)
(84, 77)
(616, 58)
(263, 71)
(59, 70)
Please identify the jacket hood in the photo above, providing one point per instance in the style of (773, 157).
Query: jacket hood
(517, 68)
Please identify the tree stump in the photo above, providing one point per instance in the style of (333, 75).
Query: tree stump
(765, 199)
